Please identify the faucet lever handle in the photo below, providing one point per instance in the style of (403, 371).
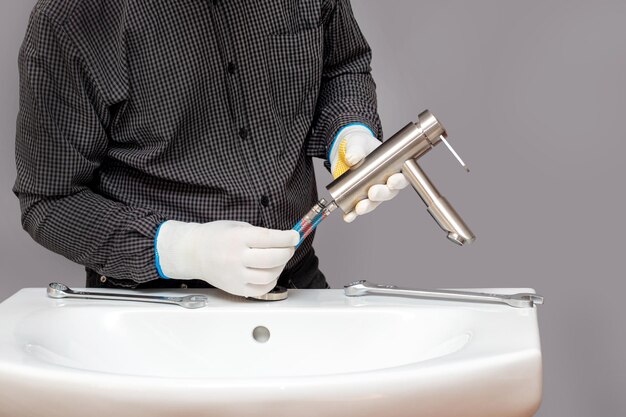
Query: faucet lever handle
(456, 155)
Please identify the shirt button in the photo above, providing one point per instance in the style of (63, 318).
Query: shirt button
(265, 201)
(243, 133)
(231, 68)
(103, 279)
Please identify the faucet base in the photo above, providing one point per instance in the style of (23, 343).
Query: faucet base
(277, 294)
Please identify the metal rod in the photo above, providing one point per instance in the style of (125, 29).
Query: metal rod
(456, 155)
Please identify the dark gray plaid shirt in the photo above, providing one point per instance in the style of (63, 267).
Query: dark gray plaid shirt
(133, 112)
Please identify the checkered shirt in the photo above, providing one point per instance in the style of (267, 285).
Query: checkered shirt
(134, 112)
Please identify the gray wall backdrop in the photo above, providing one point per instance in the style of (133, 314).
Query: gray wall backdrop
(534, 98)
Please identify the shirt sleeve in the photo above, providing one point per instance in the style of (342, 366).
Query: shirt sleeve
(348, 92)
(61, 142)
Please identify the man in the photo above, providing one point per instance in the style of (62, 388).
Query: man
(170, 143)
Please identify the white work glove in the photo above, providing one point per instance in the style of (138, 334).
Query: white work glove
(353, 143)
(234, 256)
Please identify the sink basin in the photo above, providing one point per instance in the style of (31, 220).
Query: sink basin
(318, 353)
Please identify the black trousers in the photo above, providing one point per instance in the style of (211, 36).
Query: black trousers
(304, 274)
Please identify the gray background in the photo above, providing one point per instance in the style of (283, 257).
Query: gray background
(533, 96)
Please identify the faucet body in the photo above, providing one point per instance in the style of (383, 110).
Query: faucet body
(399, 154)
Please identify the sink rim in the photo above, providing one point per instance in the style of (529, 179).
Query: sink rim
(472, 350)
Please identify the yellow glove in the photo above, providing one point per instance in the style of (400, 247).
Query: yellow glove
(353, 143)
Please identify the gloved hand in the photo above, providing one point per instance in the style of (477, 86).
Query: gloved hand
(353, 143)
(234, 256)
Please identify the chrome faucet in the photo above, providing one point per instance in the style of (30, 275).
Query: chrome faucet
(399, 154)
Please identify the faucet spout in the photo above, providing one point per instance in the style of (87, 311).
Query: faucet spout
(444, 214)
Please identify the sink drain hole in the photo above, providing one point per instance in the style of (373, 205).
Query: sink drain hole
(261, 334)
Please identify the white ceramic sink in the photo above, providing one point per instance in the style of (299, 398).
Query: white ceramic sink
(327, 355)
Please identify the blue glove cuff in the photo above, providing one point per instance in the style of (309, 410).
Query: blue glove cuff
(156, 254)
